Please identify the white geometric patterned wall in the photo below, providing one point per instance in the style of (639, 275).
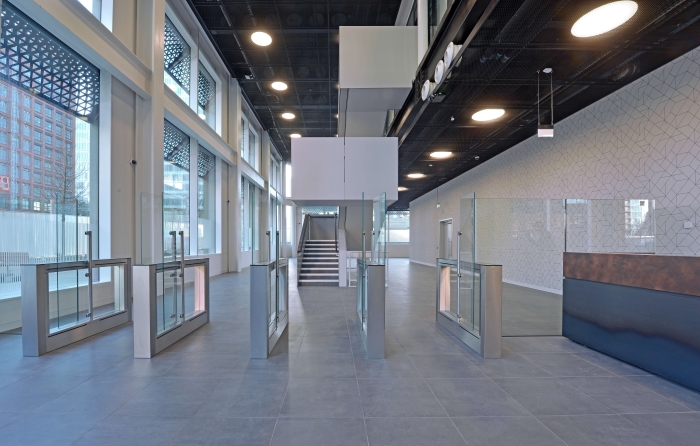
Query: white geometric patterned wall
(641, 142)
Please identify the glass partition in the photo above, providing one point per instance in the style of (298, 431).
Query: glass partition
(616, 225)
(109, 295)
(468, 308)
(168, 293)
(379, 232)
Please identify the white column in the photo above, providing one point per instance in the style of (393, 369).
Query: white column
(149, 134)
(422, 19)
(233, 137)
(194, 230)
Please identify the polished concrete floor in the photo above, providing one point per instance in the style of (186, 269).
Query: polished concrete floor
(320, 390)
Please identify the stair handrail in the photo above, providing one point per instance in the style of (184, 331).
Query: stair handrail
(336, 232)
(304, 230)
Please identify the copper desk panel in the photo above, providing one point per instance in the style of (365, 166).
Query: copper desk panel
(674, 274)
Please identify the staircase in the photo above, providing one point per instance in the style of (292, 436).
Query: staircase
(319, 264)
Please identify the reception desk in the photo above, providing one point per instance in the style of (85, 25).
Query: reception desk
(642, 309)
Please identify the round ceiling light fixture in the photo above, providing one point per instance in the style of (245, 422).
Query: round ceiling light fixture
(415, 175)
(488, 114)
(440, 155)
(261, 38)
(279, 86)
(295, 135)
(402, 189)
(604, 18)
(288, 115)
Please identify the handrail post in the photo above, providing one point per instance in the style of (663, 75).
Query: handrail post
(182, 274)
(89, 274)
(459, 274)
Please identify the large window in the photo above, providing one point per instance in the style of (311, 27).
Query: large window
(206, 202)
(398, 225)
(436, 10)
(249, 215)
(48, 147)
(206, 96)
(177, 62)
(250, 145)
(176, 190)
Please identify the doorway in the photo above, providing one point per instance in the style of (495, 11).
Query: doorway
(445, 246)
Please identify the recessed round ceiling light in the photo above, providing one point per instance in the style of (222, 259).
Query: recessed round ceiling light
(441, 155)
(415, 175)
(261, 38)
(402, 189)
(295, 135)
(604, 18)
(288, 115)
(279, 86)
(488, 114)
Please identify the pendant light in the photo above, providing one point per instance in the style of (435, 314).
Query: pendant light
(546, 130)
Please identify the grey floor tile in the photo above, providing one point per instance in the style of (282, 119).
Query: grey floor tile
(531, 345)
(322, 398)
(512, 365)
(396, 366)
(100, 395)
(565, 364)
(170, 397)
(549, 396)
(324, 365)
(323, 344)
(227, 431)
(445, 366)
(675, 392)
(48, 429)
(412, 432)
(30, 393)
(623, 396)
(474, 397)
(613, 365)
(506, 431)
(245, 397)
(398, 398)
(10, 417)
(319, 431)
(678, 429)
(593, 430)
(133, 431)
(275, 367)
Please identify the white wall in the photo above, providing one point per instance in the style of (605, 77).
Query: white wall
(639, 142)
(331, 170)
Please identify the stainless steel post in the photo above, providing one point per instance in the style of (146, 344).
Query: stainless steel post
(182, 274)
(459, 274)
(173, 315)
(89, 275)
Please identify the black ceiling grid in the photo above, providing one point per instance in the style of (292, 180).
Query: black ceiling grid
(499, 70)
(304, 54)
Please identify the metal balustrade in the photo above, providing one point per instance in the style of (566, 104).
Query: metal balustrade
(65, 302)
(269, 306)
(469, 304)
(166, 307)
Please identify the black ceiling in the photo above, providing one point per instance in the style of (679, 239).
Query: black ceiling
(303, 54)
(499, 70)
(510, 40)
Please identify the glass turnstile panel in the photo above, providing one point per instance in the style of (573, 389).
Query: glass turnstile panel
(468, 294)
(68, 299)
(168, 283)
(108, 288)
(272, 306)
(448, 290)
(282, 290)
